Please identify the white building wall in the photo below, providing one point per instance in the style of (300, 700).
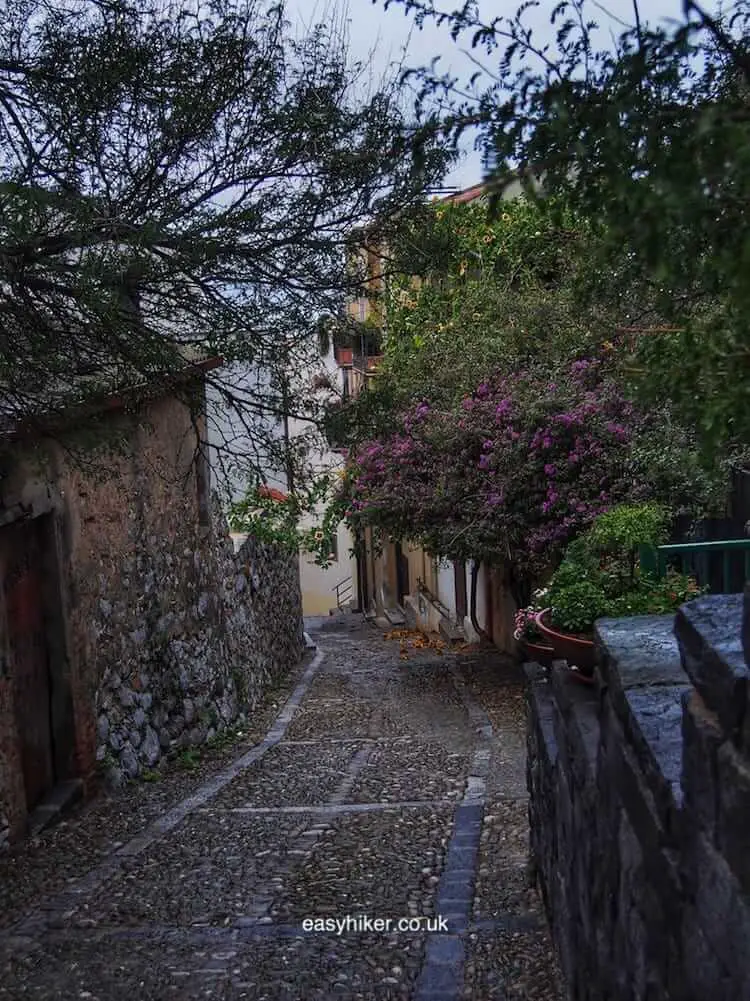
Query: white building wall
(446, 581)
(319, 584)
(230, 440)
(481, 610)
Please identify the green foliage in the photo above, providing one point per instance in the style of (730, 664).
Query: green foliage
(185, 175)
(276, 518)
(226, 738)
(576, 605)
(656, 597)
(646, 135)
(600, 577)
(267, 517)
(497, 297)
(685, 479)
(189, 759)
(492, 291)
(627, 526)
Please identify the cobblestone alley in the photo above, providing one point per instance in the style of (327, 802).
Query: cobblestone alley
(372, 786)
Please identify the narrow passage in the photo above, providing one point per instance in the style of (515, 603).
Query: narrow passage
(371, 844)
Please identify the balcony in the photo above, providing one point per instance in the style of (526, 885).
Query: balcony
(343, 356)
(367, 364)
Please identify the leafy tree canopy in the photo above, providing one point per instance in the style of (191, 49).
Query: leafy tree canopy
(650, 135)
(182, 176)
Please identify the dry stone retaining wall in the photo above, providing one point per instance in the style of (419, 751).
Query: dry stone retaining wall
(640, 809)
(193, 657)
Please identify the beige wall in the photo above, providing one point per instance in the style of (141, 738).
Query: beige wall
(318, 584)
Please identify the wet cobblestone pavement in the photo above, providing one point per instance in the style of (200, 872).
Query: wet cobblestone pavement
(377, 788)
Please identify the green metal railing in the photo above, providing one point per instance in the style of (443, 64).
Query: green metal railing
(657, 559)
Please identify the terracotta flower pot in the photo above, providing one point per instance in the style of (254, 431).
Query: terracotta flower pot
(537, 652)
(575, 649)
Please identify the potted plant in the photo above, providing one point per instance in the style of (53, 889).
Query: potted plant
(528, 634)
(600, 577)
(567, 626)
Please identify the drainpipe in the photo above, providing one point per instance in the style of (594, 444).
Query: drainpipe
(475, 564)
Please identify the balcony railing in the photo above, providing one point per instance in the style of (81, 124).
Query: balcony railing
(722, 566)
(368, 364)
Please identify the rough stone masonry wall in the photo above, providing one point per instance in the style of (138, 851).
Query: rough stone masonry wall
(178, 675)
(170, 636)
(640, 809)
(186, 633)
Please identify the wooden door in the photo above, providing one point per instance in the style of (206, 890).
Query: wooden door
(402, 573)
(21, 555)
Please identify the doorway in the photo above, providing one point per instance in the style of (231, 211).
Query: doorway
(402, 573)
(41, 694)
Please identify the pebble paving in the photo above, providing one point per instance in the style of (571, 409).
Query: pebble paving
(374, 789)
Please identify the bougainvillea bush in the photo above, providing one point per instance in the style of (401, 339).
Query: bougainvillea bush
(509, 475)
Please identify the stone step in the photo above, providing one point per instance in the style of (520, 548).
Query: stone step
(395, 616)
(451, 630)
(59, 801)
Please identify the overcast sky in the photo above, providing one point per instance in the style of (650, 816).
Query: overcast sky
(386, 34)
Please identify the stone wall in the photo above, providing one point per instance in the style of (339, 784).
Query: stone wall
(178, 671)
(640, 809)
(166, 636)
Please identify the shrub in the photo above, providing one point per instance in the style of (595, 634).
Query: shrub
(576, 606)
(514, 473)
(521, 467)
(599, 576)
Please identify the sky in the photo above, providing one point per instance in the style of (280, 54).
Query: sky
(382, 37)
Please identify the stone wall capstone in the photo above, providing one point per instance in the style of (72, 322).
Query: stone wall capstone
(640, 809)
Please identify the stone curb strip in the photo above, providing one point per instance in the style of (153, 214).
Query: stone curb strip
(55, 911)
(442, 975)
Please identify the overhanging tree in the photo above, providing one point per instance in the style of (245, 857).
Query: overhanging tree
(650, 135)
(183, 177)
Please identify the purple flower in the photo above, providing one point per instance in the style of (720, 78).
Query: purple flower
(484, 462)
(468, 403)
(494, 499)
(488, 445)
(502, 408)
(550, 469)
(546, 441)
(483, 390)
(617, 429)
